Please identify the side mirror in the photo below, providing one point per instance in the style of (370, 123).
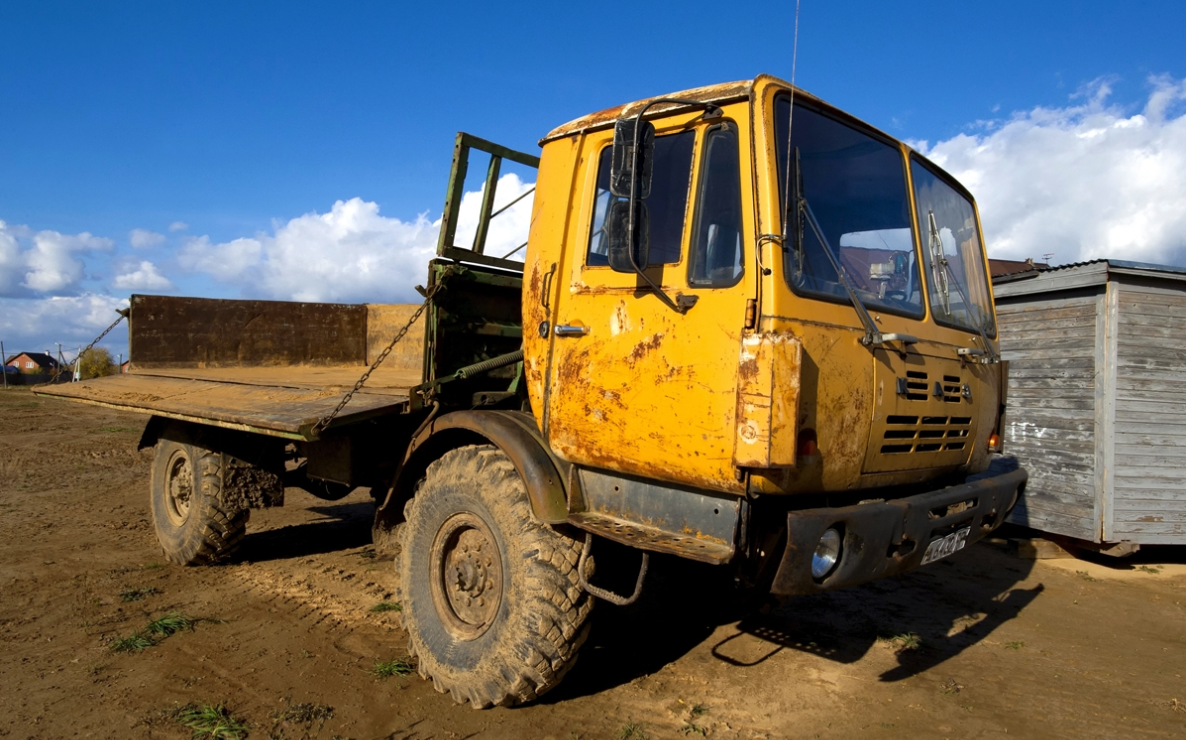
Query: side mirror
(620, 241)
(622, 168)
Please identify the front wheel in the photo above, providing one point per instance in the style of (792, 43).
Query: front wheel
(490, 595)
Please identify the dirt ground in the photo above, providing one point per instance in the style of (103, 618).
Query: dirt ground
(981, 645)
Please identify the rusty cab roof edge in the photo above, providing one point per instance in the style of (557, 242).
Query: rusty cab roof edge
(725, 92)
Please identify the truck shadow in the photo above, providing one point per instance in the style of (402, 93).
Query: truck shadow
(926, 617)
(343, 525)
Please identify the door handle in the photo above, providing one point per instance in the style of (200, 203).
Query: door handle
(568, 330)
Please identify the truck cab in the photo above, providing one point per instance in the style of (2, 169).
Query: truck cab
(769, 383)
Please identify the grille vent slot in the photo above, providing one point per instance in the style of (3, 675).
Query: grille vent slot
(912, 434)
(918, 387)
(951, 389)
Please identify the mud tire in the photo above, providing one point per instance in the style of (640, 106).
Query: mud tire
(193, 524)
(531, 638)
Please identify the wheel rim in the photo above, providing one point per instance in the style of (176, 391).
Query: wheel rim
(466, 576)
(179, 487)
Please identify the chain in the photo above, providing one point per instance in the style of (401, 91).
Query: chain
(122, 316)
(320, 426)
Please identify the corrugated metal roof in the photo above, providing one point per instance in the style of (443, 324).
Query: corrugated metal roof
(999, 278)
(1122, 264)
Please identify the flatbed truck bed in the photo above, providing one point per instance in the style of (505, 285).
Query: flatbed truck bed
(284, 401)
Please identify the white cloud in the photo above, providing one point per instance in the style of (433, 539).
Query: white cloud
(35, 324)
(1082, 182)
(227, 262)
(144, 239)
(52, 265)
(145, 277)
(352, 253)
(12, 262)
(49, 264)
(178, 226)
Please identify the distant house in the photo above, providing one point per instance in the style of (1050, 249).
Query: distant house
(33, 363)
(126, 366)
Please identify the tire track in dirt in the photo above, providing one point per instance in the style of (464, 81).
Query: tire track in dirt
(334, 593)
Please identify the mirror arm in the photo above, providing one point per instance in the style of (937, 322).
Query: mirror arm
(684, 302)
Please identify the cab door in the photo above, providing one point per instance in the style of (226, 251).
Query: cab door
(635, 386)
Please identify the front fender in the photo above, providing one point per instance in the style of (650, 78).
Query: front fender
(513, 432)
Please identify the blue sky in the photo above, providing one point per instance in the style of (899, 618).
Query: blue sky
(250, 121)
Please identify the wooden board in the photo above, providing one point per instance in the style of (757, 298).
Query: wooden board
(278, 410)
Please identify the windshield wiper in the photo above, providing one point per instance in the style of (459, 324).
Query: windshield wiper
(939, 257)
(872, 334)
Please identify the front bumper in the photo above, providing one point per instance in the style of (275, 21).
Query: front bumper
(885, 538)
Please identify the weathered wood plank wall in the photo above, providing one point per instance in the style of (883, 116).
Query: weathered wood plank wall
(1149, 500)
(1051, 347)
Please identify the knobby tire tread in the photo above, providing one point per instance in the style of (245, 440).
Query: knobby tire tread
(527, 663)
(212, 530)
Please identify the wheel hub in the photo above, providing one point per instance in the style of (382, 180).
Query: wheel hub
(467, 575)
(179, 488)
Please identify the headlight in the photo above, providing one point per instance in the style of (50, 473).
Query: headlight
(827, 552)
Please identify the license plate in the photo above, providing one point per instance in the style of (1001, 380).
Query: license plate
(944, 546)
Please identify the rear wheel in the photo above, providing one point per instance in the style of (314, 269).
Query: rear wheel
(193, 524)
(490, 595)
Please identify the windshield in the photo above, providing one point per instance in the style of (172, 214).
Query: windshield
(952, 257)
(855, 187)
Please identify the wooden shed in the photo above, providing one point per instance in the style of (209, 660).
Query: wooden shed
(1097, 399)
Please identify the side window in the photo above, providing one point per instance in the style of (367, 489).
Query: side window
(716, 238)
(666, 206)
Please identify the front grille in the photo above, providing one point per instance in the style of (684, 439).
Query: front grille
(910, 434)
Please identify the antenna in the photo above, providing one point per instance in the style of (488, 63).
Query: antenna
(1047, 257)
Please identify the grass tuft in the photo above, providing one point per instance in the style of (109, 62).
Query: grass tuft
(153, 633)
(169, 624)
(1150, 569)
(1014, 645)
(211, 721)
(631, 731)
(133, 643)
(905, 641)
(1086, 576)
(138, 594)
(388, 668)
(387, 606)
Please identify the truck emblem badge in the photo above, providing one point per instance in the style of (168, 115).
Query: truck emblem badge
(966, 391)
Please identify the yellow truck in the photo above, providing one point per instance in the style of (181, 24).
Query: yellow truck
(749, 330)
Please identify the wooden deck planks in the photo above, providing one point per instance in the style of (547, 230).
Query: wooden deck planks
(279, 410)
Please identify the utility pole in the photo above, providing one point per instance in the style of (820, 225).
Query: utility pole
(4, 359)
